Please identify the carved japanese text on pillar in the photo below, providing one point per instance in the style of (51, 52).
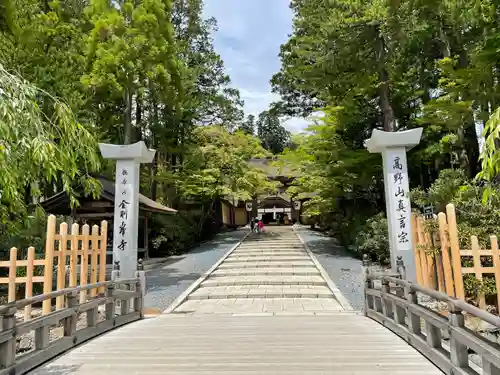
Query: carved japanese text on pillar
(124, 203)
(399, 193)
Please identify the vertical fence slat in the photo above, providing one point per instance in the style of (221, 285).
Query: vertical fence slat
(61, 263)
(12, 274)
(423, 257)
(456, 258)
(416, 250)
(49, 263)
(478, 269)
(496, 264)
(30, 270)
(445, 255)
(102, 254)
(431, 264)
(84, 262)
(73, 261)
(94, 253)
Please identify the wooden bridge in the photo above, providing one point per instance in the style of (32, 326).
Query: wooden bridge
(267, 307)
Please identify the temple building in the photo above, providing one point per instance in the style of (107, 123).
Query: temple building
(278, 208)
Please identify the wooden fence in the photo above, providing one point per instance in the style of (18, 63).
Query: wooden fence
(444, 340)
(73, 252)
(439, 259)
(122, 302)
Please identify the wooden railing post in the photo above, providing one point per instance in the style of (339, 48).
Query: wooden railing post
(400, 312)
(110, 305)
(140, 287)
(70, 322)
(386, 305)
(400, 267)
(458, 352)
(139, 301)
(413, 319)
(125, 304)
(368, 284)
(8, 348)
(115, 273)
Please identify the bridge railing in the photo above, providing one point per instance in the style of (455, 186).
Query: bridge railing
(445, 341)
(63, 329)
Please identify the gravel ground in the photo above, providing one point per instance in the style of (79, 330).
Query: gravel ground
(344, 270)
(167, 282)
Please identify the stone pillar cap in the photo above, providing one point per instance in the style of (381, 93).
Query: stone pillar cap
(382, 140)
(135, 151)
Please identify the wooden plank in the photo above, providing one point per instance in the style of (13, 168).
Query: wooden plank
(496, 264)
(484, 270)
(456, 259)
(73, 262)
(30, 269)
(431, 262)
(247, 345)
(423, 257)
(416, 250)
(22, 263)
(84, 262)
(445, 255)
(482, 252)
(22, 280)
(61, 263)
(94, 257)
(102, 254)
(49, 262)
(478, 269)
(12, 275)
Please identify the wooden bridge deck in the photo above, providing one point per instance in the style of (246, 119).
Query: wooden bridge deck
(266, 308)
(222, 344)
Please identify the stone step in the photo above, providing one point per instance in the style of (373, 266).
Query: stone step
(273, 245)
(266, 258)
(263, 280)
(262, 291)
(275, 271)
(273, 240)
(270, 248)
(256, 306)
(267, 263)
(256, 254)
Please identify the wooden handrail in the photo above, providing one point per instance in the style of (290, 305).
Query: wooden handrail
(395, 305)
(44, 349)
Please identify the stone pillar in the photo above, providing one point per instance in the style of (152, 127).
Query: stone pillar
(126, 219)
(393, 147)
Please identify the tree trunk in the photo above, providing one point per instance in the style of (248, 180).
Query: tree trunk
(154, 183)
(384, 89)
(127, 136)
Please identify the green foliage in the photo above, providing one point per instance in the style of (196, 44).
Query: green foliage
(38, 148)
(128, 71)
(474, 217)
(173, 235)
(272, 134)
(373, 239)
(217, 166)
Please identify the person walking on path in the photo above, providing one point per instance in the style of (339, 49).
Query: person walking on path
(260, 225)
(252, 224)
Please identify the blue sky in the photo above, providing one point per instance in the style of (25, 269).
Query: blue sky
(248, 39)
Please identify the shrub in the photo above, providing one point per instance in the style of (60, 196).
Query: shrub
(173, 234)
(373, 239)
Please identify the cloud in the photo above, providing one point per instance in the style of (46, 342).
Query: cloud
(248, 39)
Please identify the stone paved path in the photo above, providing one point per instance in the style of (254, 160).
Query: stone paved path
(268, 273)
